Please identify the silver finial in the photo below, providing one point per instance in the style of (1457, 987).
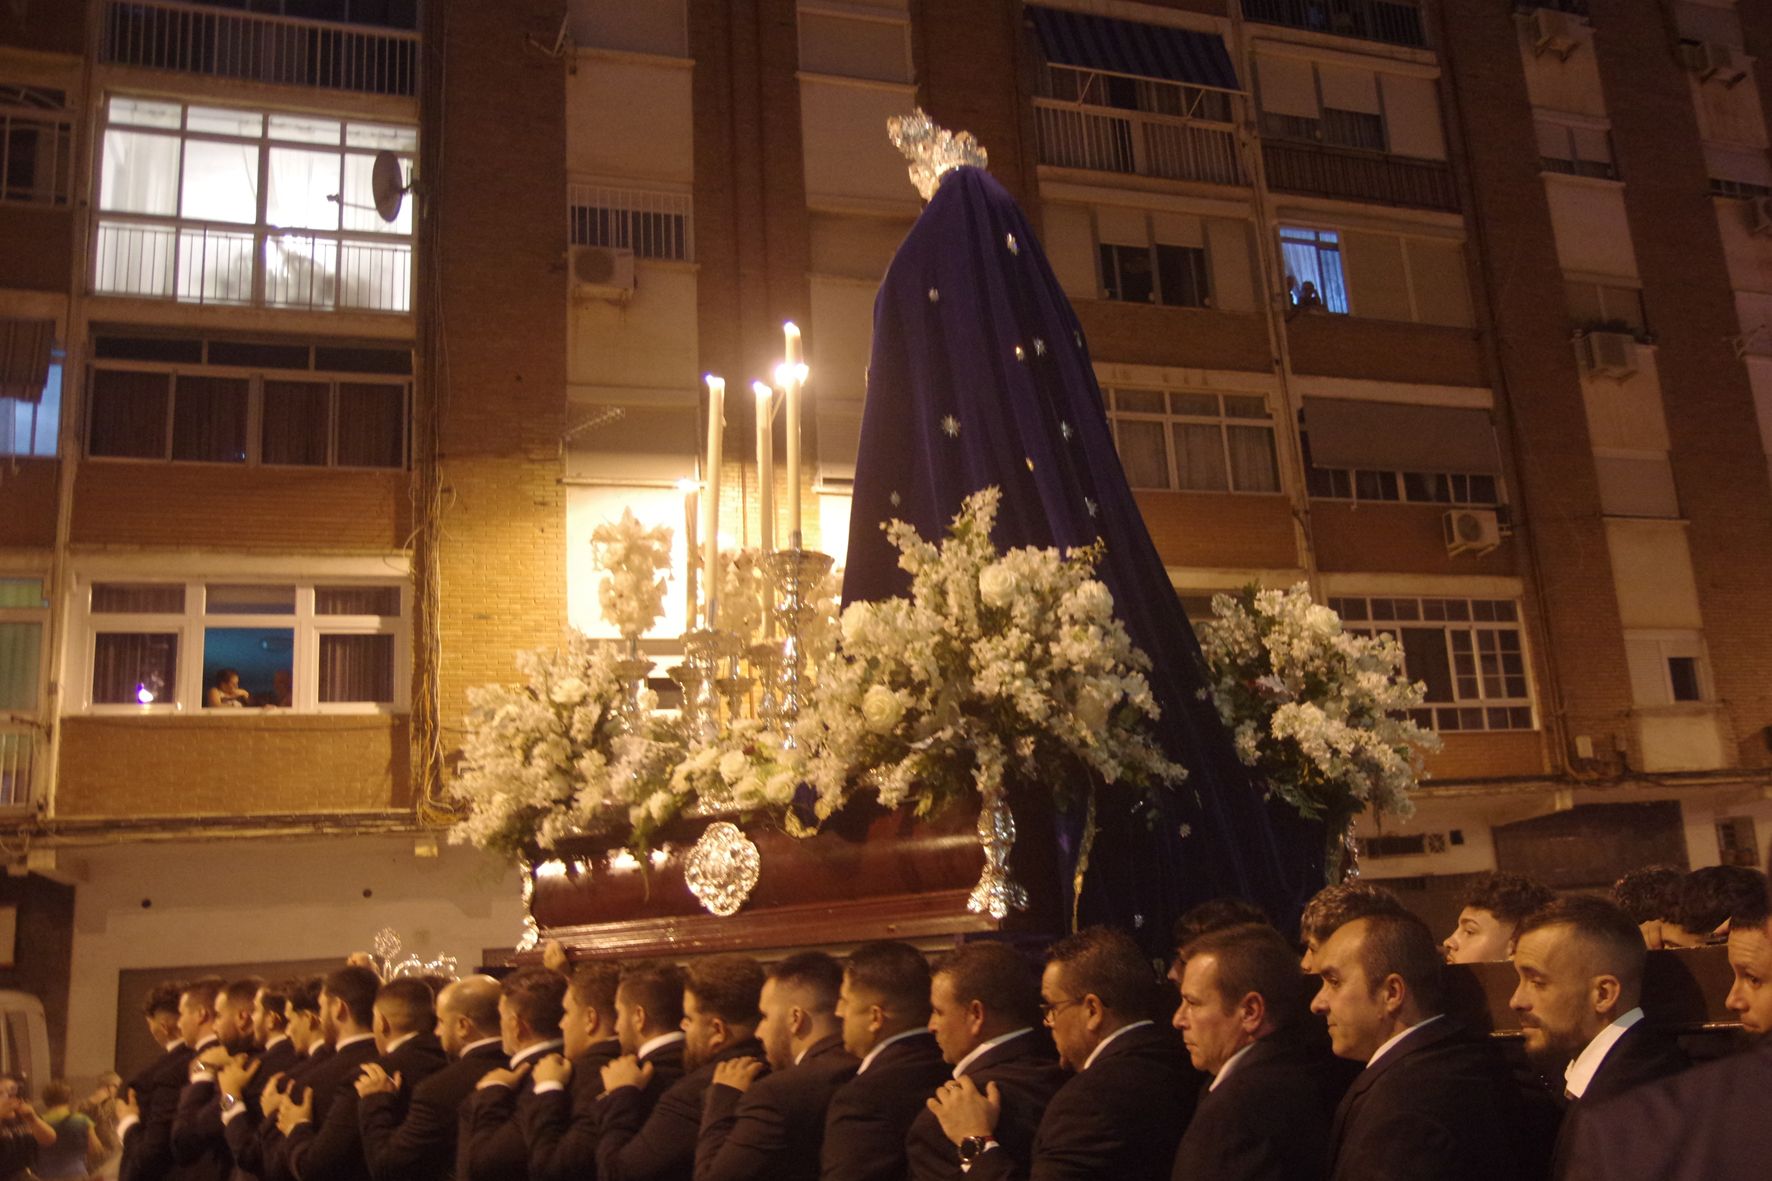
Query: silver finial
(932, 150)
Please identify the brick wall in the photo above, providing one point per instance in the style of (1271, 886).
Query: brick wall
(1214, 529)
(232, 508)
(1183, 337)
(37, 245)
(1487, 756)
(236, 766)
(50, 26)
(29, 489)
(971, 76)
(1385, 350)
(1397, 538)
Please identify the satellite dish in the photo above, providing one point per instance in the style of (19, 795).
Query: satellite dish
(388, 184)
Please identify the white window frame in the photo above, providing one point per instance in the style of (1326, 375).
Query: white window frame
(1666, 645)
(18, 722)
(192, 623)
(1475, 627)
(1111, 390)
(58, 377)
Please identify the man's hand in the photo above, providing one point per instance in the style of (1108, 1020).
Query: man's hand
(964, 1112)
(274, 1096)
(626, 1071)
(233, 1077)
(362, 959)
(554, 957)
(553, 1069)
(738, 1073)
(214, 1057)
(127, 1104)
(375, 1081)
(503, 1078)
(294, 1113)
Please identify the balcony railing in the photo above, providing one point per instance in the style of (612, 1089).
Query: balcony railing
(1359, 176)
(1106, 139)
(18, 745)
(195, 262)
(248, 47)
(1391, 21)
(651, 223)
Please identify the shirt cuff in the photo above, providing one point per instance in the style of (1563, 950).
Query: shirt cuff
(549, 1086)
(126, 1123)
(491, 1082)
(233, 1113)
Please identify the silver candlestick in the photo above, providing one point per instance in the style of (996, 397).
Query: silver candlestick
(797, 574)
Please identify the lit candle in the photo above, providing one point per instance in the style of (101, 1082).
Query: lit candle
(765, 465)
(691, 506)
(710, 542)
(795, 376)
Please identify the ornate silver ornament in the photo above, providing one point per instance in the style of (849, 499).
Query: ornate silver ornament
(997, 893)
(932, 150)
(721, 871)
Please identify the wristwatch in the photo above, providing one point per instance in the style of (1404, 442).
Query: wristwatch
(228, 1101)
(973, 1147)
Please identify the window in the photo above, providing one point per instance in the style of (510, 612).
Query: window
(1603, 307)
(30, 429)
(1194, 442)
(387, 14)
(1360, 484)
(1354, 129)
(246, 414)
(1314, 278)
(1091, 88)
(228, 206)
(651, 224)
(1573, 149)
(24, 620)
(1667, 668)
(1468, 652)
(218, 647)
(36, 146)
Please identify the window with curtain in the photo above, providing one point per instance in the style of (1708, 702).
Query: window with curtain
(1194, 442)
(1468, 652)
(356, 668)
(30, 429)
(1314, 278)
(135, 668)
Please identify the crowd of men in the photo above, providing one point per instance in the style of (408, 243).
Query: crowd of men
(882, 1067)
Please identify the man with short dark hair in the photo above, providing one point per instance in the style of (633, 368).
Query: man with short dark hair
(560, 1129)
(1243, 1017)
(1335, 905)
(1433, 1102)
(1708, 897)
(1580, 965)
(530, 1005)
(317, 1145)
(719, 1005)
(1494, 904)
(251, 1092)
(884, 1007)
(418, 1143)
(1651, 896)
(149, 1102)
(198, 1143)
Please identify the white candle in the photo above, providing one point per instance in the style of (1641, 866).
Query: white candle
(765, 465)
(795, 378)
(691, 506)
(710, 542)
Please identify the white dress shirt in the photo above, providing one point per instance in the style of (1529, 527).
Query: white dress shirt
(867, 1059)
(1103, 1044)
(1225, 1070)
(1397, 1037)
(1580, 1073)
(984, 1048)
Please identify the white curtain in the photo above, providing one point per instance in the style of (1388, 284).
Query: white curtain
(301, 185)
(140, 173)
(220, 182)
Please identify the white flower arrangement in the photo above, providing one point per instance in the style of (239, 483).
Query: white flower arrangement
(1321, 712)
(634, 560)
(744, 590)
(998, 665)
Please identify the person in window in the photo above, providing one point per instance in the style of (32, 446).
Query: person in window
(280, 689)
(225, 691)
(1308, 299)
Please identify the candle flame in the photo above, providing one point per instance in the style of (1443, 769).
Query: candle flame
(762, 391)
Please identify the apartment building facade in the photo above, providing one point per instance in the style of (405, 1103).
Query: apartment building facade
(1456, 312)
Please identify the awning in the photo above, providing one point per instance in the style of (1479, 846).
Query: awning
(1392, 437)
(24, 358)
(1130, 47)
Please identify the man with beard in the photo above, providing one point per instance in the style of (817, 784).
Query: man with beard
(529, 1012)
(300, 1153)
(197, 1141)
(560, 1128)
(252, 1091)
(720, 1014)
(1579, 1001)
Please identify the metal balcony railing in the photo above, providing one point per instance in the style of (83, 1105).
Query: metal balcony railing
(1107, 139)
(18, 746)
(651, 223)
(249, 47)
(1359, 176)
(1393, 22)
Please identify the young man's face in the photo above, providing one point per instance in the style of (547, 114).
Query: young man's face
(1479, 938)
(194, 1019)
(1750, 996)
(1554, 999)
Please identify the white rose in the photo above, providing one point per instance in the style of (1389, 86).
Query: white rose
(881, 709)
(858, 621)
(1092, 710)
(997, 584)
(779, 789)
(570, 691)
(732, 765)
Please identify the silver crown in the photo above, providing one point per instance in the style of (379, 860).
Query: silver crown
(932, 150)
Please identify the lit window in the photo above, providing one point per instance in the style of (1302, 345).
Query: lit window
(1194, 442)
(1468, 652)
(1314, 278)
(30, 428)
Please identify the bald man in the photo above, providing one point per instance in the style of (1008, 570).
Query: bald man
(422, 1146)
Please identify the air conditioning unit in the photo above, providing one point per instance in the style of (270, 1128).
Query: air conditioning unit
(1759, 216)
(602, 272)
(1608, 354)
(1473, 531)
(1713, 62)
(1553, 32)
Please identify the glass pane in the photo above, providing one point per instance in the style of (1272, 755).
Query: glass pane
(1425, 659)
(143, 112)
(357, 668)
(134, 668)
(1139, 401)
(1133, 266)
(209, 419)
(247, 667)
(22, 592)
(1199, 458)
(357, 600)
(129, 414)
(378, 136)
(1254, 467)
(17, 750)
(1240, 406)
(301, 271)
(359, 204)
(304, 129)
(1682, 673)
(215, 265)
(1142, 453)
(220, 182)
(297, 419)
(140, 173)
(248, 599)
(1194, 405)
(371, 424)
(225, 121)
(21, 653)
(301, 191)
(138, 598)
(1181, 274)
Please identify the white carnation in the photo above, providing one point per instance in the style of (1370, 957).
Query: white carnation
(881, 709)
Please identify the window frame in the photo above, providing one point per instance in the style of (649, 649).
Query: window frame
(1151, 245)
(193, 623)
(26, 728)
(1429, 713)
(55, 121)
(1670, 645)
(58, 376)
(1168, 420)
(1340, 252)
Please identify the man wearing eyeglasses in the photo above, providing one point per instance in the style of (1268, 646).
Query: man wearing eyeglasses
(1123, 1112)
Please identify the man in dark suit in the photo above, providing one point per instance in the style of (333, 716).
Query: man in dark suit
(1580, 964)
(720, 1014)
(1710, 1122)
(1433, 1102)
(772, 1128)
(560, 1127)
(316, 1145)
(1122, 1113)
(149, 1102)
(490, 1145)
(416, 1141)
(197, 1142)
(983, 1008)
(1265, 1116)
(251, 1091)
(884, 1007)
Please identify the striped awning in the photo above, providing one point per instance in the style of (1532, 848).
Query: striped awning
(1131, 47)
(24, 357)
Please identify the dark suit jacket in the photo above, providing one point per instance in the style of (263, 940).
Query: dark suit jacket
(871, 1114)
(418, 1144)
(560, 1127)
(147, 1146)
(199, 1144)
(324, 1149)
(490, 1141)
(774, 1131)
(1269, 1119)
(1439, 1106)
(1027, 1074)
(249, 1137)
(1707, 1124)
(1120, 1118)
(1642, 1055)
(657, 1143)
